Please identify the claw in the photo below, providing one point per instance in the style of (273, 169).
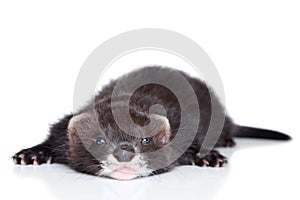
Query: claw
(49, 161)
(35, 162)
(22, 156)
(205, 163)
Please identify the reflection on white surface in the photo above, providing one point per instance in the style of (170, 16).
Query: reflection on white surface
(65, 184)
(188, 182)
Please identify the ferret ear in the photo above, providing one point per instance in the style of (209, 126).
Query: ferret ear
(163, 136)
(74, 125)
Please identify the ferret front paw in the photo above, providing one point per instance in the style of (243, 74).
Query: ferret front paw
(36, 155)
(212, 159)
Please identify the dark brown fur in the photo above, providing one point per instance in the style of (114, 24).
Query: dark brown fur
(66, 147)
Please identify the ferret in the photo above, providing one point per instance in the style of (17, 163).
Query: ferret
(91, 141)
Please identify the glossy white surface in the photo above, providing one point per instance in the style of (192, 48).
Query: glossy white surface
(254, 45)
(257, 170)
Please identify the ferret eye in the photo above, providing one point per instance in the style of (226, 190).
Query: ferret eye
(100, 141)
(146, 140)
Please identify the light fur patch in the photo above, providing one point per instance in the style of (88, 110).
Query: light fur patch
(137, 164)
(74, 120)
(166, 128)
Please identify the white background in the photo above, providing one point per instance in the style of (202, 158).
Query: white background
(255, 46)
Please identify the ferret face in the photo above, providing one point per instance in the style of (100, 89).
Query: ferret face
(98, 146)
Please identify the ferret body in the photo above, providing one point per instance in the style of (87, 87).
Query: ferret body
(91, 141)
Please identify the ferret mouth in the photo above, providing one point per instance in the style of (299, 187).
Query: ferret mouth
(123, 172)
(124, 169)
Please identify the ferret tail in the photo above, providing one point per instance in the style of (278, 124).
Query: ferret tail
(250, 132)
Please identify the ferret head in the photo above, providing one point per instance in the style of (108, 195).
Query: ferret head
(98, 146)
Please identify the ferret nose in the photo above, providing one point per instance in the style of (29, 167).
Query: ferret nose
(124, 153)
